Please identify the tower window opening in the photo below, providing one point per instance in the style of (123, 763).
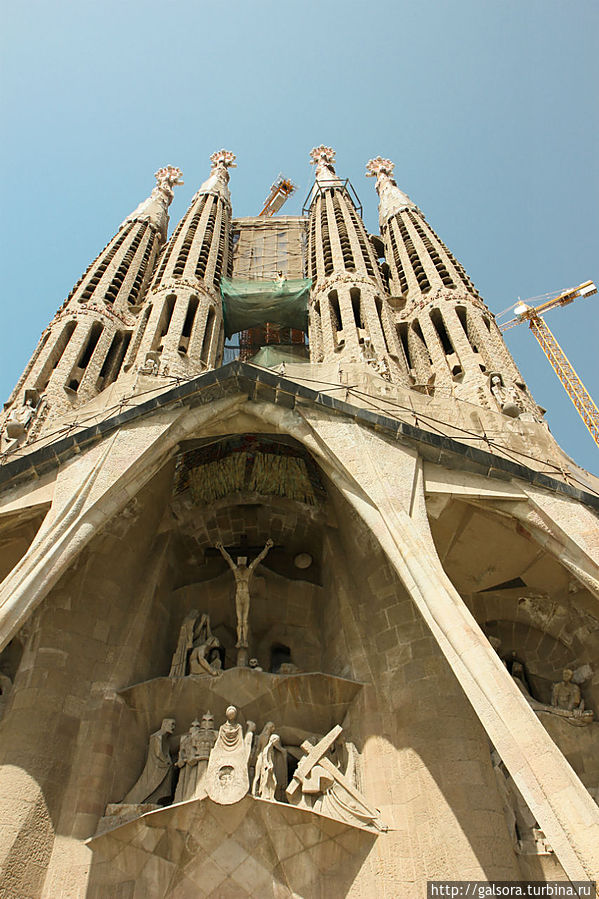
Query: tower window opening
(335, 313)
(92, 341)
(141, 271)
(348, 256)
(463, 319)
(379, 309)
(168, 250)
(192, 309)
(354, 294)
(84, 359)
(401, 275)
(402, 333)
(362, 239)
(114, 359)
(169, 308)
(325, 239)
(207, 341)
(439, 325)
(55, 356)
(141, 328)
(423, 282)
(206, 242)
(106, 260)
(432, 252)
(421, 342)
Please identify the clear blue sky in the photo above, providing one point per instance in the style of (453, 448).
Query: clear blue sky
(488, 108)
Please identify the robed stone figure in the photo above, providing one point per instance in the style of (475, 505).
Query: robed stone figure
(155, 784)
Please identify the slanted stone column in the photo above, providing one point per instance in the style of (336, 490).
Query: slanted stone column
(181, 332)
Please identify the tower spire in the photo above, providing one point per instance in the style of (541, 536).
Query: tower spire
(82, 350)
(350, 319)
(449, 338)
(155, 208)
(180, 332)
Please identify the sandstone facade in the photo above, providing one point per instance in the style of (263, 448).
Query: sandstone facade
(292, 631)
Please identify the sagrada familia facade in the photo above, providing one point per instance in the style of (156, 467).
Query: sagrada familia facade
(318, 621)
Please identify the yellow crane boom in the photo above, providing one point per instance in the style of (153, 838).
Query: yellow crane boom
(558, 360)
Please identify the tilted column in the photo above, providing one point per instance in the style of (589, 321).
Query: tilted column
(82, 350)
(349, 317)
(180, 332)
(467, 356)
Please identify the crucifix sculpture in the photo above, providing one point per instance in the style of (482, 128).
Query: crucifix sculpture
(243, 574)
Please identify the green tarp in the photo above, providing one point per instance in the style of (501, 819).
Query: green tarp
(247, 304)
(275, 354)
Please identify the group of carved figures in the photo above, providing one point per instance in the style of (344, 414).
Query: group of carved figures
(225, 765)
(566, 697)
(198, 650)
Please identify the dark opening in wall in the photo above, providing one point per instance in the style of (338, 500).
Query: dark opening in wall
(439, 325)
(354, 294)
(207, 342)
(192, 309)
(402, 333)
(55, 356)
(279, 655)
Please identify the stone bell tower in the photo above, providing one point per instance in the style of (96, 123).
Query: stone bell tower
(449, 338)
(180, 331)
(349, 316)
(81, 352)
(324, 624)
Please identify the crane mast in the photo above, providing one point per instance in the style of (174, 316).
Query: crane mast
(558, 360)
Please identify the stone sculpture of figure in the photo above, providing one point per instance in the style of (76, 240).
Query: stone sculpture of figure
(254, 664)
(519, 676)
(566, 695)
(566, 699)
(184, 644)
(318, 784)
(20, 419)
(156, 781)
(243, 574)
(507, 397)
(270, 777)
(227, 778)
(194, 753)
(193, 633)
(187, 762)
(199, 655)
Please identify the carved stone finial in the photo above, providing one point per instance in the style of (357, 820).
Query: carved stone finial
(225, 158)
(166, 178)
(392, 199)
(377, 167)
(322, 156)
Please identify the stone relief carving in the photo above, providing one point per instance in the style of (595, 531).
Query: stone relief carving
(507, 397)
(243, 575)
(194, 753)
(196, 647)
(270, 773)
(566, 697)
(227, 778)
(227, 764)
(155, 784)
(318, 784)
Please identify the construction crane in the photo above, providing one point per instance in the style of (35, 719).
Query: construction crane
(280, 191)
(574, 387)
